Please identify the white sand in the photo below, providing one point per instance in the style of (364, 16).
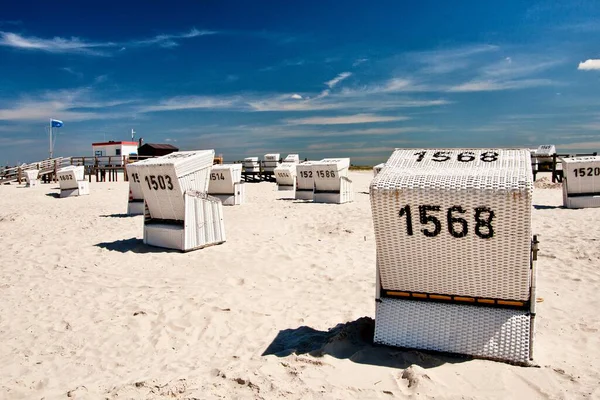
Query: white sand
(88, 311)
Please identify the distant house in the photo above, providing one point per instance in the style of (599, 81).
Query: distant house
(156, 149)
(118, 151)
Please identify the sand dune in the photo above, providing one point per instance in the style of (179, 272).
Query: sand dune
(284, 308)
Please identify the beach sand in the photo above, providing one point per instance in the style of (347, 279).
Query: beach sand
(283, 309)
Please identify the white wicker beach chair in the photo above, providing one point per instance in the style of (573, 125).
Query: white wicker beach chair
(179, 212)
(285, 176)
(581, 182)
(377, 169)
(251, 165)
(31, 177)
(226, 184)
(271, 161)
(135, 203)
(305, 181)
(71, 181)
(454, 252)
(292, 158)
(331, 181)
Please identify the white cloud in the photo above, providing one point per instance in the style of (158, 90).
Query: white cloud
(443, 61)
(346, 119)
(338, 79)
(296, 96)
(589, 65)
(491, 85)
(188, 103)
(54, 45)
(75, 45)
(359, 61)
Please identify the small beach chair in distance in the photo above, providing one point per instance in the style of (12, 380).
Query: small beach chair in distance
(455, 256)
(292, 158)
(331, 181)
(270, 162)
(31, 177)
(285, 176)
(226, 184)
(581, 182)
(71, 181)
(179, 212)
(377, 169)
(251, 165)
(305, 182)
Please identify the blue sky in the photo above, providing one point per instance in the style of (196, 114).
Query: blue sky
(322, 79)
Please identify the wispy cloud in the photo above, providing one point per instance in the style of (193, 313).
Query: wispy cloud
(55, 45)
(346, 119)
(188, 103)
(589, 65)
(75, 45)
(443, 61)
(72, 72)
(489, 86)
(338, 79)
(359, 61)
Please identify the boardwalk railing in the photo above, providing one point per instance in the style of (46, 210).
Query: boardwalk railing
(47, 170)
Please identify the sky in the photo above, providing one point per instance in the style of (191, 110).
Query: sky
(318, 78)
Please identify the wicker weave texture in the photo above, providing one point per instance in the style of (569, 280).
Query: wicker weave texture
(483, 262)
(502, 334)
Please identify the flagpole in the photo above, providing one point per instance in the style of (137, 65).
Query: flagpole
(50, 137)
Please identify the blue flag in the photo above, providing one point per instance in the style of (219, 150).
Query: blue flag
(56, 123)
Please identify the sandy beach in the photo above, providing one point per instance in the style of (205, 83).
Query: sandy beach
(283, 309)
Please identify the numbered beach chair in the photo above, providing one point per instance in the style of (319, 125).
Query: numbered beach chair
(377, 169)
(71, 181)
(270, 162)
(135, 203)
(285, 176)
(31, 177)
(305, 182)
(251, 165)
(331, 181)
(179, 212)
(455, 253)
(292, 158)
(226, 184)
(581, 182)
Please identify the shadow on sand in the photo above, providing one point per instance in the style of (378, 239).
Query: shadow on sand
(354, 341)
(121, 215)
(55, 195)
(542, 207)
(134, 245)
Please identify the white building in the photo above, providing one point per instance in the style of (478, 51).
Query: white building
(118, 151)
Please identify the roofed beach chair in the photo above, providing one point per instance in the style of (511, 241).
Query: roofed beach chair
(581, 182)
(305, 182)
(31, 177)
(226, 184)
(251, 165)
(270, 162)
(71, 181)
(179, 213)
(455, 256)
(285, 176)
(135, 205)
(292, 158)
(377, 169)
(331, 181)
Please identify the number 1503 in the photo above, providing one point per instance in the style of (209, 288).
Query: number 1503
(457, 226)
